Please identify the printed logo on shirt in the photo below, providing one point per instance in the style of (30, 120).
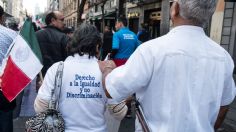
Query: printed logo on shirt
(86, 85)
(22, 54)
(128, 36)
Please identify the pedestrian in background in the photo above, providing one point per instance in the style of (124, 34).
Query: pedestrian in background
(124, 43)
(52, 40)
(6, 108)
(183, 80)
(143, 35)
(107, 42)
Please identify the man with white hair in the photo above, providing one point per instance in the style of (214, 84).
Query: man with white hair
(183, 80)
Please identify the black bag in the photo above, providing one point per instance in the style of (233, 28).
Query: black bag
(50, 120)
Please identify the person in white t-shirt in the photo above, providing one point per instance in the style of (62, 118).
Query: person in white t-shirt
(183, 80)
(82, 101)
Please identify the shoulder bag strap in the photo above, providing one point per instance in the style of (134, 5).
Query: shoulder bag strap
(56, 92)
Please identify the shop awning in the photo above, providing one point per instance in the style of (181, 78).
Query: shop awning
(109, 15)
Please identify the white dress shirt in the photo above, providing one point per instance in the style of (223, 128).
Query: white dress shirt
(181, 80)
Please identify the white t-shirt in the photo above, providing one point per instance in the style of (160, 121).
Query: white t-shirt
(181, 80)
(82, 101)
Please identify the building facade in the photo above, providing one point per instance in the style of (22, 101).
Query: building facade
(52, 5)
(14, 11)
(107, 9)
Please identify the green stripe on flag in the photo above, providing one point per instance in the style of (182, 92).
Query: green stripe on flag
(28, 34)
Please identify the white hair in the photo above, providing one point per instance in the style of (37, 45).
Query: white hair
(197, 11)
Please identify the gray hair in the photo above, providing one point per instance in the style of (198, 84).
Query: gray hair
(197, 11)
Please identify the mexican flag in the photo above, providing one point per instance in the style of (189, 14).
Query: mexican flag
(22, 63)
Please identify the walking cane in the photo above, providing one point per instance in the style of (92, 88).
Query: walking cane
(141, 118)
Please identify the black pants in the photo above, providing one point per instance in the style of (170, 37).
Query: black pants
(6, 121)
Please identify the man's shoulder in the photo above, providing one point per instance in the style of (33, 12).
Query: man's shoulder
(216, 47)
(52, 31)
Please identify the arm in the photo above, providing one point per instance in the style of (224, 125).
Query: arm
(44, 93)
(221, 116)
(229, 91)
(129, 78)
(117, 109)
(106, 67)
(40, 105)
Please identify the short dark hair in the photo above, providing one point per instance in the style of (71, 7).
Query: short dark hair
(1, 11)
(123, 20)
(85, 41)
(49, 17)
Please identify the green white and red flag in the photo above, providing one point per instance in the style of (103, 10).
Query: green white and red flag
(22, 63)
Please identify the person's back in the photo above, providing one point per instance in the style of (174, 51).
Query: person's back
(82, 100)
(128, 43)
(187, 94)
(124, 41)
(82, 90)
(184, 81)
(53, 46)
(52, 41)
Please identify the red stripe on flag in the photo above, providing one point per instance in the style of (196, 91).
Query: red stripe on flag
(13, 80)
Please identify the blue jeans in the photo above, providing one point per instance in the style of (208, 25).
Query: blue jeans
(6, 121)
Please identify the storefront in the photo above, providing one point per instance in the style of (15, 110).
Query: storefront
(133, 21)
(153, 19)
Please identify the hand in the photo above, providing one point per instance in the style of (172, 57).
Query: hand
(109, 64)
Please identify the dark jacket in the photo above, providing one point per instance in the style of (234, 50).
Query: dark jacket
(143, 35)
(52, 43)
(107, 41)
(5, 105)
(107, 44)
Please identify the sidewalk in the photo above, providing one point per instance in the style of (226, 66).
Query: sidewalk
(127, 125)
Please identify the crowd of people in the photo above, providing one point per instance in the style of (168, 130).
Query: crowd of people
(183, 80)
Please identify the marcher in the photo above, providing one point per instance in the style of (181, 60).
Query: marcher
(6, 108)
(52, 40)
(123, 45)
(107, 42)
(143, 35)
(124, 42)
(82, 100)
(183, 80)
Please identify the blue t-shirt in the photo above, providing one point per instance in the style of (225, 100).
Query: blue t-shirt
(125, 41)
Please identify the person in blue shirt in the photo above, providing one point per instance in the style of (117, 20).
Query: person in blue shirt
(124, 42)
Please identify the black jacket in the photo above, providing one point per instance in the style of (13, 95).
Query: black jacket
(52, 43)
(5, 105)
(107, 41)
